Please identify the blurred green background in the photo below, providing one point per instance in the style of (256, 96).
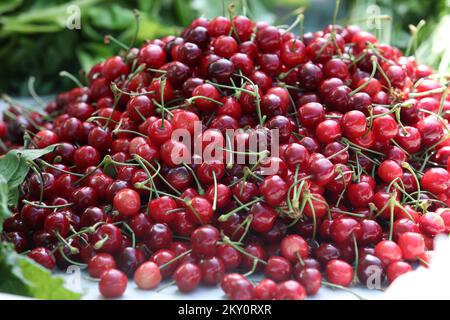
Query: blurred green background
(35, 41)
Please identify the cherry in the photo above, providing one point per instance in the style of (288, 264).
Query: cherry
(113, 68)
(100, 263)
(263, 217)
(432, 224)
(213, 270)
(310, 75)
(412, 245)
(221, 71)
(388, 252)
(223, 196)
(237, 287)
(294, 245)
(396, 269)
(265, 290)
(130, 259)
(44, 257)
(159, 237)
(160, 131)
(311, 114)
(290, 290)
(389, 171)
(57, 223)
(107, 238)
(370, 270)
(21, 243)
(160, 209)
(354, 124)
(177, 73)
(268, 39)
(163, 256)
(326, 252)
(293, 53)
(33, 217)
(86, 156)
(339, 272)
(229, 255)
(199, 210)
(219, 26)
(360, 194)
(328, 131)
(296, 155)
(127, 202)
(187, 277)
(436, 180)
(204, 240)
(152, 55)
(44, 182)
(84, 197)
(311, 279)
(139, 108)
(113, 283)
(243, 27)
(371, 232)
(209, 168)
(274, 190)
(278, 269)
(345, 231)
(147, 276)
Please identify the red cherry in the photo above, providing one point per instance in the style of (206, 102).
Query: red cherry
(113, 283)
(127, 202)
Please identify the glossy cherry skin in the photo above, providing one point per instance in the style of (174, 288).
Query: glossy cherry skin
(113, 283)
(147, 276)
(159, 237)
(100, 263)
(396, 269)
(204, 240)
(107, 238)
(187, 277)
(127, 202)
(278, 269)
(292, 245)
(339, 272)
(412, 245)
(213, 270)
(44, 257)
(388, 252)
(290, 290)
(130, 259)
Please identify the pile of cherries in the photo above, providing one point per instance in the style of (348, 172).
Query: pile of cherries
(362, 181)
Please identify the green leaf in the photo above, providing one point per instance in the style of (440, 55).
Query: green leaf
(42, 284)
(4, 196)
(8, 5)
(8, 165)
(33, 154)
(14, 168)
(22, 276)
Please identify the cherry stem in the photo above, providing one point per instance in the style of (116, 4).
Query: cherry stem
(34, 204)
(99, 244)
(215, 191)
(227, 240)
(200, 189)
(181, 255)
(365, 84)
(72, 249)
(336, 286)
(74, 79)
(226, 216)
